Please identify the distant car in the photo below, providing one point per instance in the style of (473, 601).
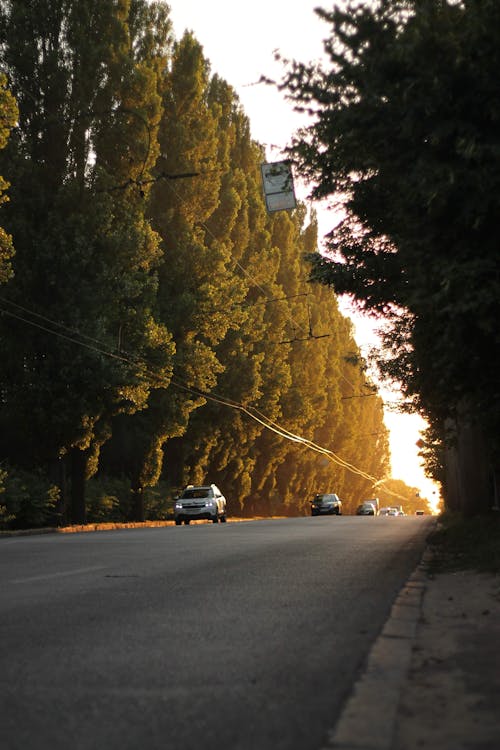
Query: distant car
(374, 501)
(198, 502)
(327, 504)
(384, 511)
(420, 512)
(366, 509)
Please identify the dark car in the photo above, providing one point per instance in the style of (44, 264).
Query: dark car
(366, 509)
(327, 504)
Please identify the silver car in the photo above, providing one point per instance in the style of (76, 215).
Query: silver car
(201, 501)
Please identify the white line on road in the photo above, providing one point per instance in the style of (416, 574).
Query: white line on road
(60, 574)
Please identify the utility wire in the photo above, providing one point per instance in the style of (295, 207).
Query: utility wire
(34, 314)
(251, 412)
(238, 264)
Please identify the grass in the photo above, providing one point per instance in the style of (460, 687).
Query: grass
(466, 544)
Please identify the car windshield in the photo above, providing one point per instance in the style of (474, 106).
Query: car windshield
(193, 492)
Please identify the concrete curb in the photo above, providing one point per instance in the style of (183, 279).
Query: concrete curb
(114, 526)
(367, 723)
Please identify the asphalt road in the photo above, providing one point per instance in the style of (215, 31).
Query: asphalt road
(237, 636)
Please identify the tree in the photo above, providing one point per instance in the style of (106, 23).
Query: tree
(405, 139)
(86, 255)
(153, 292)
(395, 493)
(237, 233)
(8, 118)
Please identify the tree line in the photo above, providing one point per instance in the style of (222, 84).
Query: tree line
(405, 140)
(157, 325)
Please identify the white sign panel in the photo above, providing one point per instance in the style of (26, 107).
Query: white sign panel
(277, 180)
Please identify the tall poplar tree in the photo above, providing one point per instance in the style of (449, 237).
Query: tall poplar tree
(194, 288)
(8, 118)
(85, 267)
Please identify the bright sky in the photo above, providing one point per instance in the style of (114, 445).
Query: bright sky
(239, 40)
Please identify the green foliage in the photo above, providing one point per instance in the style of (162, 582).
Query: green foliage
(6, 517)
(405, 141)
(28, 500)
(87, 257)
(159, 502)
(395, 492)
(8, 117)
(153, 292)
(463, 544)
(107, 499)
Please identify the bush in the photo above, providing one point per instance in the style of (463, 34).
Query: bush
(28, 500)
(159, 502)
(107, 499)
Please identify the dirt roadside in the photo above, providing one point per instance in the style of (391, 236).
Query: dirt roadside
(451, 698)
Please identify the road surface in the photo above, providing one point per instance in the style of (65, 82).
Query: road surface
(237, 636)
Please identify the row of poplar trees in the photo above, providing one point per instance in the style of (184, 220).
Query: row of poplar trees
(156, 322)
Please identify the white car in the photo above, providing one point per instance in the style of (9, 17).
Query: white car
(198, 502)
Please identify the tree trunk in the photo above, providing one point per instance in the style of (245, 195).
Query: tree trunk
(137, 495)
(78, 466)
(173, 463)
(468, 485)
(474, 470)
(57, 474)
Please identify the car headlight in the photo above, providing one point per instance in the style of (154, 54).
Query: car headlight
(178, 506)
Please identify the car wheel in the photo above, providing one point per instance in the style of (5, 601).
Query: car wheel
(223, 519)
(215, 519)
(177, 522)
(187, 522)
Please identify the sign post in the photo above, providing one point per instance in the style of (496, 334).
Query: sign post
(277, 181)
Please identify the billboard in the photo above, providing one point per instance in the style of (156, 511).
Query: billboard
(277, 181)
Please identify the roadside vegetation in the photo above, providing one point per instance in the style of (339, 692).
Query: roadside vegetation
(157, 326)
(405, 143)
(466, 544)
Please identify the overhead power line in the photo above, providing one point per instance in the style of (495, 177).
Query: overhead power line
(252, 412)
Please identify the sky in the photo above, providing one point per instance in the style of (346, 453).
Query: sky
(240, 41)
